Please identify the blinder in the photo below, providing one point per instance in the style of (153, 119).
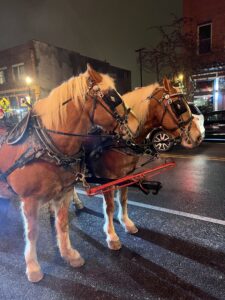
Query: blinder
(121, 113)
(112, 99)
(113, 103)
(179, 106)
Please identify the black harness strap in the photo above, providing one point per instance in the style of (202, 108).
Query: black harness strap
(25, 158)
(51, 149)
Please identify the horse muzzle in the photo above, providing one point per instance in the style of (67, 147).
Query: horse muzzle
(189, 141)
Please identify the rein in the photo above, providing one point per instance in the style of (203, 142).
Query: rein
(78, 134)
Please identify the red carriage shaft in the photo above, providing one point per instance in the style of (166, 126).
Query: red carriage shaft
(129, 180)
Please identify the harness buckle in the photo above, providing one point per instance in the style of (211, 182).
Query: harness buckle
(51, 155)
(81, 178)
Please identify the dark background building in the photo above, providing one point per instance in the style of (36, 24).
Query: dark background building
(31, 70)
(207, 25)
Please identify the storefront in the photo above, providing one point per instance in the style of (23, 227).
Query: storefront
(210, 90)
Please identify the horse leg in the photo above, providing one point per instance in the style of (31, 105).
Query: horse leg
(124, 220)
(77, 202)
(30, 210)
(108, 206)
(62, 227)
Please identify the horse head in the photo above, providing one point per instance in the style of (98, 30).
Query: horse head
(174, 114)
(109, 110)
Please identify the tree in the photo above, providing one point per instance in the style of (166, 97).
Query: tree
(176, 53)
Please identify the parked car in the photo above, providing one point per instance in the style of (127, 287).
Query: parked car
(215, 125)
(198, 118)
(163, 141)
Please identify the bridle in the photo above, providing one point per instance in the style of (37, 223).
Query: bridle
(110, 102)
(179, 107)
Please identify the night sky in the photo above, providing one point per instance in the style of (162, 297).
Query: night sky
(102, 29)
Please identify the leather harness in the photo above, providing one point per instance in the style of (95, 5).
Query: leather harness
(43, 147)
(31, 130)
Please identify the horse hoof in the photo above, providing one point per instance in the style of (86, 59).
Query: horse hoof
(114, 245)
(131, 229)
(35, 276)
(76, 263)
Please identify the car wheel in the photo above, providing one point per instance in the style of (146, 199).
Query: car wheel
(162, 141)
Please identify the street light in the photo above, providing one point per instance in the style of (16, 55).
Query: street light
(28, 80)
(181, 77)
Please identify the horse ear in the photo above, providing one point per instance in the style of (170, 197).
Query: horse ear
(95, 76)
(166, 83)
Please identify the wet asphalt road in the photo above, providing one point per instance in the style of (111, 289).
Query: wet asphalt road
(173, 256)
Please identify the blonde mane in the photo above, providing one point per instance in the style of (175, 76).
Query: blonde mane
(51, 109)
(138, 102)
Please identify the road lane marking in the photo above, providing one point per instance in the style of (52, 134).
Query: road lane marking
(178, 213)
(193, 157)
(166, 210)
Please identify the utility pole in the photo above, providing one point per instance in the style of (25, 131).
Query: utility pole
(139, 51)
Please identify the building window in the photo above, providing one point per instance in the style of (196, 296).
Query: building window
(3, 75)
(18, 72)
(204, 38)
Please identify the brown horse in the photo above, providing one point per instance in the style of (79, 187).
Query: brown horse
(52, 148)
(154, 106)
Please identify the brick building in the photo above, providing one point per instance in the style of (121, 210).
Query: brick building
(47, 66)
(207, 25)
